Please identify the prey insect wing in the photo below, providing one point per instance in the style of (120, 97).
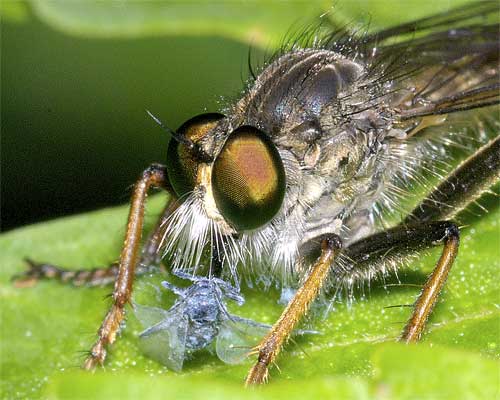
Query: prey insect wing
(237, 337)
(164, 340)
(199, 319)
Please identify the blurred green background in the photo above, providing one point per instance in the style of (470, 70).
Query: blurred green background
(75, 133)
(77, 76)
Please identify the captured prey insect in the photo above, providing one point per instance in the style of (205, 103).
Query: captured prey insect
(198, 319)
(287, 185)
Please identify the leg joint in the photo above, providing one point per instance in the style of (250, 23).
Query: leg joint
(452, 231)
(157, 175)
(331, 242)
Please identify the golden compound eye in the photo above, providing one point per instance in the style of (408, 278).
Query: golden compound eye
(248, 179)
(182, 163)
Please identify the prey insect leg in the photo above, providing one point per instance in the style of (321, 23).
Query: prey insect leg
(98, 276)
(156, 176)
(272, 343)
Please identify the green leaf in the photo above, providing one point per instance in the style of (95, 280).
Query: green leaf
(44, 328)
(14, 11)
(419, 371)
(259, 22)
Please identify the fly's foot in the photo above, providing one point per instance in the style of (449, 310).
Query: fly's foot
(258, 375)
(95, 358)
(35, 272)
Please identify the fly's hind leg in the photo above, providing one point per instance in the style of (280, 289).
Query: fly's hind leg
(465, 184)
(272, 343)
(372, 254)
(369, 256)
(155, 175)
(422, 229)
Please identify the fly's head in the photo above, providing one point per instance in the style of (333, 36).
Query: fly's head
(237, 174)
(230, 179)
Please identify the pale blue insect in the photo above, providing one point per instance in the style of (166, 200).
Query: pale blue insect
(198, 319)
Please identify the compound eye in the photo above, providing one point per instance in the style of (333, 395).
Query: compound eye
(182, 164)
(248, 179)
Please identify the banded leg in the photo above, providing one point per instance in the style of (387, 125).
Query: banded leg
(272, 343)
(155, 175)
(98, 276)
(373, 253)
(78, 277)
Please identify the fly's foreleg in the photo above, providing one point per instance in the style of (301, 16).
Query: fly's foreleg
(272, 343)
(156, 176)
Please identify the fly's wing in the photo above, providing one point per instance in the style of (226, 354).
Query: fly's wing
(452, 70)
(237, 337)
(450, 60)
(164, 339)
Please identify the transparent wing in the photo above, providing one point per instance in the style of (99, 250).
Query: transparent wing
(149, 316)
(449, 60)
(452, 70)
(164, 339)
(237, 337)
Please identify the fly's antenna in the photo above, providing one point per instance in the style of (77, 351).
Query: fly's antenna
(193, 147)
(179, 138)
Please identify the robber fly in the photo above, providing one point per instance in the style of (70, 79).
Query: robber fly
(288, 182)
(197, 320)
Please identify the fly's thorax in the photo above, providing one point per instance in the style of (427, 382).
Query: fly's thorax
(309, 102)
(292, 91)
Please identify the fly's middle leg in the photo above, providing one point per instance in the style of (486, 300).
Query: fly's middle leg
(371, 254)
